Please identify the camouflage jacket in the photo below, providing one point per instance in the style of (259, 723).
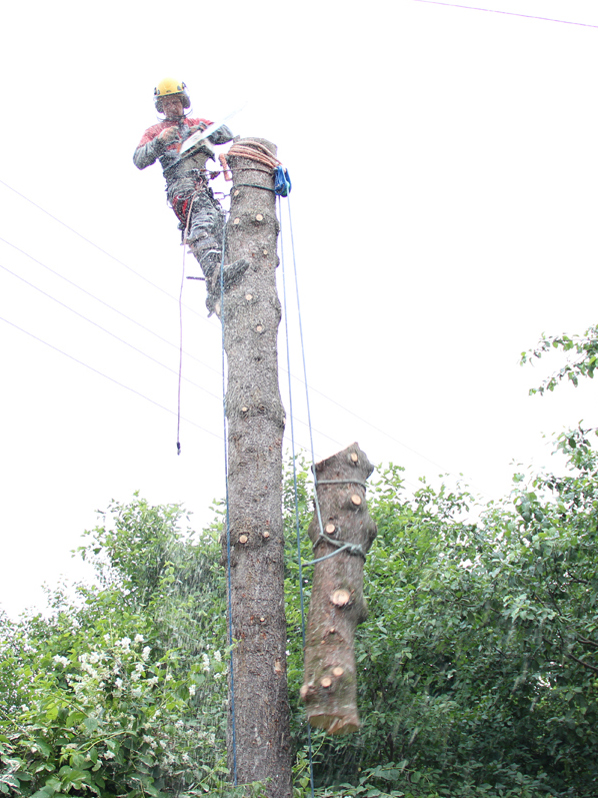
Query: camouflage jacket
(151, 148)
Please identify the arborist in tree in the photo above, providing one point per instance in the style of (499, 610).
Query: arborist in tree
(200, 216)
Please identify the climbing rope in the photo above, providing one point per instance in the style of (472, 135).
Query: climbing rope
(228, 540)
(255, 152)
(178, 423)
(295, 489)
(350, 548)
(309, 425)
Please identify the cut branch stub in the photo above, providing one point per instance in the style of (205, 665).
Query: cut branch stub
(337, 602)
(340, 597)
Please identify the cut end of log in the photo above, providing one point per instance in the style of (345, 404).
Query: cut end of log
(330, 529)
(338, 671)
(354, 457)
(248, 297)
(259, 217)
(335, 725)
(236, 221)
(326, 682)
(243, 539)
(266, 534)
(340, 597)
(356, 499)
(304, 691)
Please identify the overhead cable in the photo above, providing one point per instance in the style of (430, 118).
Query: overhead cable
(96, 246)
(107, 304)
(108, 332)
(106, 376)
(508, 13)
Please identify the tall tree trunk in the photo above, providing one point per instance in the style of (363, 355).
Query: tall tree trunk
(251, 314)
(337, 603)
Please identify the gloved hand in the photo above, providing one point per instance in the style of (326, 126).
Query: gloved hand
(200, 126)
(169, 134)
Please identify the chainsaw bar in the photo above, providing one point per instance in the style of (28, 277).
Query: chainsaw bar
(200, 135)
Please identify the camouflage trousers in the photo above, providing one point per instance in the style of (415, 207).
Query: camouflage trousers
(201, 216)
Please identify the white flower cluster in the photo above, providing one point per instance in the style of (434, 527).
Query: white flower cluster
(60, 660)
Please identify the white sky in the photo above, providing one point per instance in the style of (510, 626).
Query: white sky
(444, 202)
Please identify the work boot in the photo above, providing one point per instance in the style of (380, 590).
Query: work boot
(230, 274)
(234, 271)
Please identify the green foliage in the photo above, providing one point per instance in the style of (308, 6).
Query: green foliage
(585, 348)
(477, 666)
(103, 696)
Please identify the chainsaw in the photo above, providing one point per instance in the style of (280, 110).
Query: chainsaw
(194, 142)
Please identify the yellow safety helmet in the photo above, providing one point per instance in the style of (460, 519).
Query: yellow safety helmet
(170, 86)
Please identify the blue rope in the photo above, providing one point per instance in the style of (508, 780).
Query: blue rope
(311, 437)
(295, 490)
(230, 608)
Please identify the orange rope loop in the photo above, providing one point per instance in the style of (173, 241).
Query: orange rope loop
(255, 152)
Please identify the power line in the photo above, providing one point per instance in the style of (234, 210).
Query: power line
(147, 329)
(107, 377)
(369, 424)
(108, 332)
(96, 246)
(508, 13)
(107, 304)
(117, 260)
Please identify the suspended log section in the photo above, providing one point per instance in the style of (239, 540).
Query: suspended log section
(337, 605)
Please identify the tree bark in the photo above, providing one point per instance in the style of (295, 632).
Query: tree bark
(337, 603)
(251, 314)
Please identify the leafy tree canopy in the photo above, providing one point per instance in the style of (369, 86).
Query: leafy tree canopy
(477, 665)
